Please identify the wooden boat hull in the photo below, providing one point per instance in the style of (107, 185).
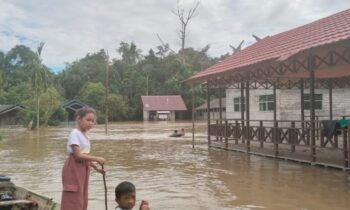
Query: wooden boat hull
(19, 198)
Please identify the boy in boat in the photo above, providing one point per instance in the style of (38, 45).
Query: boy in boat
(177, 134)
(125, 196)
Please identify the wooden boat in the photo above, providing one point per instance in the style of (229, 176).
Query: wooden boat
(176, 135)
(13, 197)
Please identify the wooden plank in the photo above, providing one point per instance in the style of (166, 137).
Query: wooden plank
(16, 202)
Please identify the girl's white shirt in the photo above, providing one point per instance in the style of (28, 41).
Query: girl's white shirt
(78, 138)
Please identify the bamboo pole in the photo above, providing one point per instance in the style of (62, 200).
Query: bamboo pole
(106, 93)
(193, 97)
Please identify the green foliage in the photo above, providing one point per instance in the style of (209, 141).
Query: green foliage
(159, 72)
(50, 102)
(117, 108)
(93, 94)
(60, 115)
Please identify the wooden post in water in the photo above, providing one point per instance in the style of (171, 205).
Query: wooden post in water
(302, 108)
(330, 89)
(261, 134)
(346, 148)
(293, 137)
(193, 97)
(275, 124)
(208, 114)
(220, 111)
(242, 111)
(247, 111)
(311, 67)
(106, 93)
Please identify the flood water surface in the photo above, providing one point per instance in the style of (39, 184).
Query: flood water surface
(169, 173)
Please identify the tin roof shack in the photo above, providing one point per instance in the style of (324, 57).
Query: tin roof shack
(162, 107)
(72, 106)
(9, 114)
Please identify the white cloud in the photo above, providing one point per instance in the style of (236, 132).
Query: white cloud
(70, 29)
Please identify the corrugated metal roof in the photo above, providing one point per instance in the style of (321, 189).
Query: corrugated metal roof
(7, 108)
(163, 103)
(284, 45)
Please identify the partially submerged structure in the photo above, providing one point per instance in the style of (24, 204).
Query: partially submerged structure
(202, 110)
(72, 106)
(9, 114)
(297, 64)
(162, 107)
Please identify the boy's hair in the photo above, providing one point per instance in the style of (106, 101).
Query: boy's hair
(124, 188)
(84, 111)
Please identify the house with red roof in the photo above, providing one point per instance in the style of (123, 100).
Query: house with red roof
(162, 107)
(280, 88)
(278, 52)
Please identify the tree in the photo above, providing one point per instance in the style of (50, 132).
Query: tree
(40, 80)
(118, 107)
(130, 54)
(91, 68)
(184, 18)
(93, 95)
(50, 102)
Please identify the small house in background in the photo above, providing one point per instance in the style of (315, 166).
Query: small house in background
(9, 114)
(162, 107)
(202, 110)
(72, 106)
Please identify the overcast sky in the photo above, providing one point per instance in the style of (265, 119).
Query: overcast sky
(73, 28)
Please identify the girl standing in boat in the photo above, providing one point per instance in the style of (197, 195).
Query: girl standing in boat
(76, 169)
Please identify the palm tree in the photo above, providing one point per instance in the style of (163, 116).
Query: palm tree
(39, 80)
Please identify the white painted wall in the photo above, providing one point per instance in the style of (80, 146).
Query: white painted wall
(288, 104)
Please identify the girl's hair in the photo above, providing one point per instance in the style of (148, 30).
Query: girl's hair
(84, 111)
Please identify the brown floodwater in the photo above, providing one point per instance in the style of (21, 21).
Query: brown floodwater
(169, 173)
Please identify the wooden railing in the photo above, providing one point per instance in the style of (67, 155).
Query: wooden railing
(282, 132)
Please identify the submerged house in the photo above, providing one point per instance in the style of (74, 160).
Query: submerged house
(72, 106)
(9, 114)
(279, 87)
(202, 110)
(162, 107)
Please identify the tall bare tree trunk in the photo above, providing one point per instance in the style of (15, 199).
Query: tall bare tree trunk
(106, 94)
(37, 111)
(184, 18)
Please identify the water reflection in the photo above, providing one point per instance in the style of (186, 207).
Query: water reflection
(169, 173)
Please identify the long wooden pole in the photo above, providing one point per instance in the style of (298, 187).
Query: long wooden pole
(105, 185)
(106, 94)
(220, 110)
(193, 97)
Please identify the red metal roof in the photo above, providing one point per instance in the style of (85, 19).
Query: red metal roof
(283, 45)
(163, 103)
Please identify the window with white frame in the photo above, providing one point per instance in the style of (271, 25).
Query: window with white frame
(318, 101)
(237, 104)
(266, 103)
